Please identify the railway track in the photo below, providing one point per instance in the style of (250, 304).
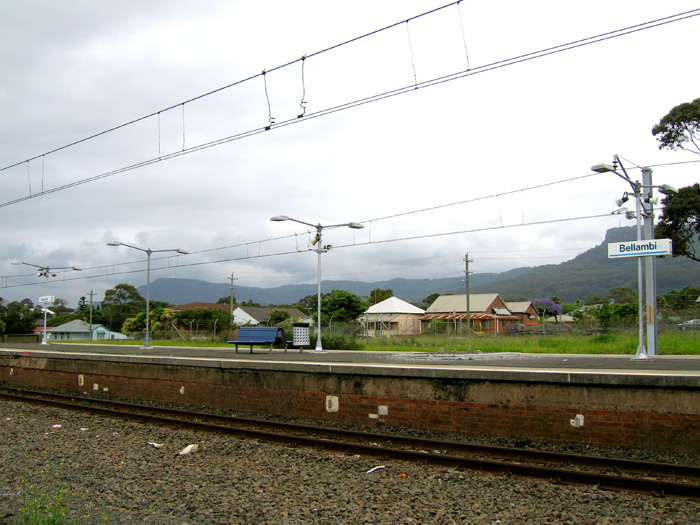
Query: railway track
(607, 473)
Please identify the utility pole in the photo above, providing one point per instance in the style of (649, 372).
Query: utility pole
(649, 265)
(467, 260)
(90, 315)
(232, 279)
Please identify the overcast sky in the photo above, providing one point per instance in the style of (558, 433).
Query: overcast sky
(432, 173)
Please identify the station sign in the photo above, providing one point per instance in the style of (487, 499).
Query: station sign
(46, 299)
(618, 250)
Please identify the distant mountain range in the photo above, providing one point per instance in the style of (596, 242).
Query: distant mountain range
(590, 273)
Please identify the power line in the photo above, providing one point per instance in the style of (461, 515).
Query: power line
(348, 105)
(261, 256)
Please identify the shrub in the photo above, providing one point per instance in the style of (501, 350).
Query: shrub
(604, 339)
(338, 342)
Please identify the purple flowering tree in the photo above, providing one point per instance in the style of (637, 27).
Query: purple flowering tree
(547, 307)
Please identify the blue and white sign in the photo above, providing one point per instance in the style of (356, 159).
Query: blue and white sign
(639, 248)
(46, 299)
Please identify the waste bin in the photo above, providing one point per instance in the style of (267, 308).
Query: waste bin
(300, 335)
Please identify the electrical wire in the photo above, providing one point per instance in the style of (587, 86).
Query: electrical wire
(348, 105)
(277, 254)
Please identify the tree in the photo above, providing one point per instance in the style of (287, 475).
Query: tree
(680, 221)
(607, 314)
(83, 305)
(159, 318)
(60, 306)
(226, 300)
(18, 319)
(681, 300)
(120, 303)
(309, 303)
(680, 128)
(547, 307)
(378, 295)
(205, 317)
(57, 320)
(430, 299)
(278, 315)
(622, 295)
(342, 306)
(250, 302)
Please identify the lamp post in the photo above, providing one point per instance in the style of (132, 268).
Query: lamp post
(148, 252)
(644, 206)
(45, 271)
(319, 250)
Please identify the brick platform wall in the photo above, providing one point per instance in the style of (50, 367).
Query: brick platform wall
(663, 419)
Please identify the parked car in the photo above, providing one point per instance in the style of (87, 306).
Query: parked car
(693, 324)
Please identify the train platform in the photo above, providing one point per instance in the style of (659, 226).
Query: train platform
(598, 399)
(467, 360)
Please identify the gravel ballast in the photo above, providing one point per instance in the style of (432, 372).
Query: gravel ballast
(110, 471)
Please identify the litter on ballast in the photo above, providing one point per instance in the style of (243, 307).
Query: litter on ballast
(188, 449)
(156, 445)
(375, 469)
(57, 427)
(402, 475)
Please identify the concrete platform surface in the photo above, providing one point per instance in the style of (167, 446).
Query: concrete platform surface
(671, 365)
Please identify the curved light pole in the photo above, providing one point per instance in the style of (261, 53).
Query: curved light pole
(148, 252)
(45, 271)
(319, 250)
(644, 206)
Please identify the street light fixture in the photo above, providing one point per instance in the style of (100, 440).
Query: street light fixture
(317, 241)
(644, 207)
(148, 252)
(45, 271)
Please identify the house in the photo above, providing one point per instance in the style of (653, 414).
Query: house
(258, 315)
(392, 317)
(488, 313)
(80, 330)
(523, 309)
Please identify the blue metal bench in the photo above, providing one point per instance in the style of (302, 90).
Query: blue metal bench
(260, 335)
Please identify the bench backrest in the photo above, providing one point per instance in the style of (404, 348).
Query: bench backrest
(263, 334)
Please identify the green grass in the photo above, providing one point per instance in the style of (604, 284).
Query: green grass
(669, 343)
(619, 343)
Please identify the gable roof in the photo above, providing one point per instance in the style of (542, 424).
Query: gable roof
(518, 306)
(75, 326)
(479, 302)
(394, 305)
(262, 313)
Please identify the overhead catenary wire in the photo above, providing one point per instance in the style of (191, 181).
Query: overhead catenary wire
(327, 111)
(290, 252)
(370, 241)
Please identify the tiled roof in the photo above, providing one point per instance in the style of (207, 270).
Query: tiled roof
(262, 313)
(479, 302)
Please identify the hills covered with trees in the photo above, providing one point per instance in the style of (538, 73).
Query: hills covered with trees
(591, 273)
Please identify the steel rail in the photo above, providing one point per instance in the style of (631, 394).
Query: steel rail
(515, 464)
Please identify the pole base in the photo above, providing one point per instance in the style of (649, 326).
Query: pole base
(641, 354)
